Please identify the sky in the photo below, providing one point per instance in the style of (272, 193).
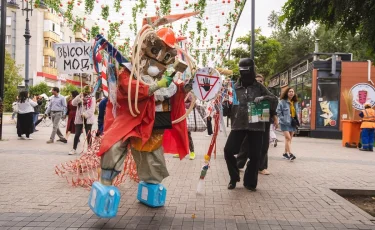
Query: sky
(263, 9)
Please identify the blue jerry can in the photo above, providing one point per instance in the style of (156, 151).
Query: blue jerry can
(152, 195)
(104, 200)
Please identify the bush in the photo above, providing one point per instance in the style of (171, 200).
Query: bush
(40, 89)
(69, 88)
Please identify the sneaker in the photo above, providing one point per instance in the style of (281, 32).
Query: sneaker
(192, 156)
(49, 141)
(29, 138)
(292, 157)
(72, 152)
(176, 156)
(275, 143)
(264, 172)
(21, 138)
(286, 156)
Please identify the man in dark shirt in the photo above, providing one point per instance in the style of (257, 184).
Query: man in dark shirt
(248, 90)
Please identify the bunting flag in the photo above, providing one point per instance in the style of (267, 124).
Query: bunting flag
(103, 76)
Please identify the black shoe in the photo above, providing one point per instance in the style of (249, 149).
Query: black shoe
(362, 149)
(63, 140)
(250, 188)
(292, 157)
(36, 130)
(286, 156)
(232, 183)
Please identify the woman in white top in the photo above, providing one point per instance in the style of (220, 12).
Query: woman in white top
(25, 123)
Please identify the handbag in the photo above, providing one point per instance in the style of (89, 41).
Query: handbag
(295, 122)
(195, 122)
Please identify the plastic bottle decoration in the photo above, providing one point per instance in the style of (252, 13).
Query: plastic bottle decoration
(204, 170)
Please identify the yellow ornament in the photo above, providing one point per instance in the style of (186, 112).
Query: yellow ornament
(206, 157)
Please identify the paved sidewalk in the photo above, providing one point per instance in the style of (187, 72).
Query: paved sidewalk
(295, 196)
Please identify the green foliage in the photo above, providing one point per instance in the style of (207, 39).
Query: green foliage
(165, 6)
(355, 17)
(89, 6)
(68, 89)
(40, 89)
(266, 51)
(114, 29)
(117, 5)
(95, 30)
(12, 79)
(105, 12)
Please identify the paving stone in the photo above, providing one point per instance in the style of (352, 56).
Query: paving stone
(296, 198)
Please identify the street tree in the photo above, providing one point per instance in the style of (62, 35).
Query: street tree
(12, 79)
(354, 17)
(265, 53)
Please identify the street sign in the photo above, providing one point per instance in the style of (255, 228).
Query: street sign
(206, 83)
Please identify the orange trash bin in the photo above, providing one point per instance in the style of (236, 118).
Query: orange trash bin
(351, 132)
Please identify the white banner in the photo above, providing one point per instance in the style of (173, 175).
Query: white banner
(73, 58)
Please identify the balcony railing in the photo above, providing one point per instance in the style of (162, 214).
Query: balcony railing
(49, 70)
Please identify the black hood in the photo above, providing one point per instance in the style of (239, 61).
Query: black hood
(247, 71)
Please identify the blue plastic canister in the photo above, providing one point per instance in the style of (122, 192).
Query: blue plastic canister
(104, 200)
(152, 195)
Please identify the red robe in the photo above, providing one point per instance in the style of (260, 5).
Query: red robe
(176, 140)
(124, 125)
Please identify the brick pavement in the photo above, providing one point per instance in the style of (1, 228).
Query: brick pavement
(295, 196)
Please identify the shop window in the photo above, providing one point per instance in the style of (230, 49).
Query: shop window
(328, 96)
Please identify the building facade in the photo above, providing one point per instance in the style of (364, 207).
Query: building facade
(47, 27)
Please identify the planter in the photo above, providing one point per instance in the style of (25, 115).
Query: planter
(351, 132)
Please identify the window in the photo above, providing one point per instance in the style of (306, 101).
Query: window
(9, 21)
(46, 61)
(8, 39)
(328, 96)
(70, 39)
(53, 27)
(45, 43)
(62, 36)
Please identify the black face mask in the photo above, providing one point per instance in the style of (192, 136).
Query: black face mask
(247, 77)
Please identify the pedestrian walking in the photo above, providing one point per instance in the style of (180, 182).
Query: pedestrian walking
(368, 128)
(57, 110)
(248, 90)
(25, 108)
(71, 113)
(14, 108)
(39, 101)
(85, 118)
(263, 162)
(287, 113)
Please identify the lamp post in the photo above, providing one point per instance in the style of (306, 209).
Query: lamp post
(252, 28)
(2, 60)
(27, 36)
